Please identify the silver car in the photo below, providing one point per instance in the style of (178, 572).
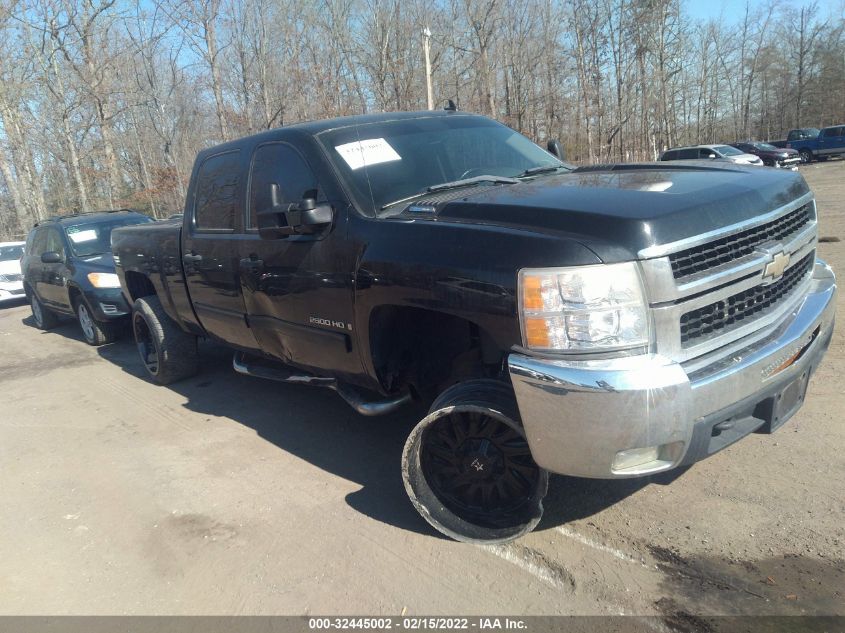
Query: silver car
(11, 281)
(712, 152)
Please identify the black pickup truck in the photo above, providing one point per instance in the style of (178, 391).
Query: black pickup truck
(608, 322)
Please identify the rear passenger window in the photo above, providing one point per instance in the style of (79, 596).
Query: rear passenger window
(217, 192)
(281, 165)
(670, 155)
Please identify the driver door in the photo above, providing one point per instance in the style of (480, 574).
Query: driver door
(297, 288)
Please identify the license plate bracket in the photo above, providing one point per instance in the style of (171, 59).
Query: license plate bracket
(786, 402)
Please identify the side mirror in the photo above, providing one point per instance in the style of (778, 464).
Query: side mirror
(51, 257)
(300, 218)
(556, 149)
(711, 155)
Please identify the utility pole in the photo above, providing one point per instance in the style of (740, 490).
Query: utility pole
(427, 50)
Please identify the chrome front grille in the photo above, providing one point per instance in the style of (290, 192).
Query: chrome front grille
(711, 292)
(733, 247)
(722, 316)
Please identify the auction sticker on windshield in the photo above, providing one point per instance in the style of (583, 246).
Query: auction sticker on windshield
(370, 152)
(82, 236)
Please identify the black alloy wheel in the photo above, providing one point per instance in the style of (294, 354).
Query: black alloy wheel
(468, 469)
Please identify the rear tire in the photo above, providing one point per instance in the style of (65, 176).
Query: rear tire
(168, 352)
(467, 467)
(95, 332)
(45, 319)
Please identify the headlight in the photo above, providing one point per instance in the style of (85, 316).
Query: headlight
(104, 280)
(591, 308)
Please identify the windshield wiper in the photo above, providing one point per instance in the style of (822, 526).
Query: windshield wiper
(542, 169)
(507, 180)
(455, 184)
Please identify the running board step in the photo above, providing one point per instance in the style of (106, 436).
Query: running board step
(350, 395)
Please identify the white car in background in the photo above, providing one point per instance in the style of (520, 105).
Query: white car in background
(11, 280)
(713, 152)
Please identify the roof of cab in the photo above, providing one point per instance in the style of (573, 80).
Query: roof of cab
(313, 128)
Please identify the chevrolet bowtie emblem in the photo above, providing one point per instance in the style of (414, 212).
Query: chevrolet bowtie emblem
(774, 269)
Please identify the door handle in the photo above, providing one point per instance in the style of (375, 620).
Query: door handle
(188, 258)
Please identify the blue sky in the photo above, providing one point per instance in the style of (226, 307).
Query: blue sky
(730, 10)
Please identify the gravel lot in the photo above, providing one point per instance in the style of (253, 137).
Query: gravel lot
(232, 495)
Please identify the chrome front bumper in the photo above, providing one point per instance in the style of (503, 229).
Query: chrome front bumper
(580, 415)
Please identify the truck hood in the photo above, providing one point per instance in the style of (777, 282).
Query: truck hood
(619, 210)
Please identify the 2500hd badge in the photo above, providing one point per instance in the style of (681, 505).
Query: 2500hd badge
(329, 323)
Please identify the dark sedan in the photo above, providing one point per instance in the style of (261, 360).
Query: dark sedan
(68, 269)
(771, 156)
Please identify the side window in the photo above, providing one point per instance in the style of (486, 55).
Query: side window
(687, 154)
(41, 241)
(35, 242)
(831, 131)
(280, 165)
(54, 242)
(217, 192)
(670, 155)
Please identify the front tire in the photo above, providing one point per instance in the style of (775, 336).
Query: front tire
(95, 332)
(806, 156)
(467, 467)
(45, 319)
(168, 352)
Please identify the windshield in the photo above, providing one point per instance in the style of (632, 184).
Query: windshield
(765, 147)
(390, 161)
(11, 253)
(727, 150)
(94, 238)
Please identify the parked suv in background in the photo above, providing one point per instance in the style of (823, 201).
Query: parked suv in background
(11, 281)
(770, 155)
(713, 152)
(68, 269)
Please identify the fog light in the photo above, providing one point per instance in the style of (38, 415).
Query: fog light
(634, 457)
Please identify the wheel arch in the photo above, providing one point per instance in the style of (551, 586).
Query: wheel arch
(74, 294)
(138, 285)
(427, 350)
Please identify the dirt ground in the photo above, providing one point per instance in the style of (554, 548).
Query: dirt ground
(232, 495)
